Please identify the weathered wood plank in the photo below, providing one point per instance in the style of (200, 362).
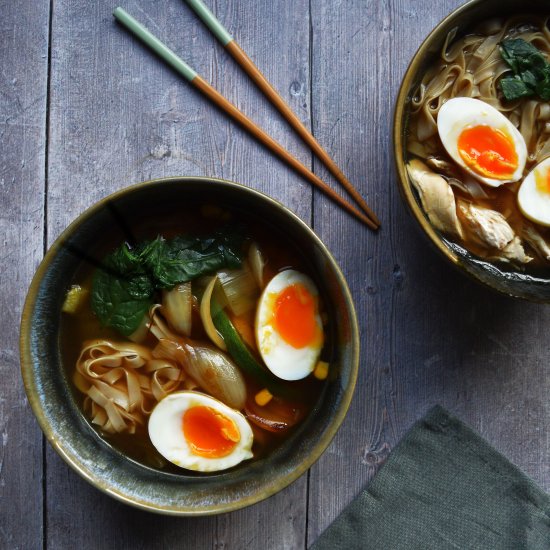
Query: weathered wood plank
(352, 118)
(23, 86)
(428, 334)
(119, 116)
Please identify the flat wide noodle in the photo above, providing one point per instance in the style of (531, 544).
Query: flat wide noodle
(471, 67)
(123, 382)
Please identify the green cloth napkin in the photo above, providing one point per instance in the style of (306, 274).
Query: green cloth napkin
(444, 487)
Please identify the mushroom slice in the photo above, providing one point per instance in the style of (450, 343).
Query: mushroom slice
(537, 242)
(489, 227)
(436, 197)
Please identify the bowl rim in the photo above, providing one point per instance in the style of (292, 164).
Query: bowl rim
(72, 459)
(398, 137)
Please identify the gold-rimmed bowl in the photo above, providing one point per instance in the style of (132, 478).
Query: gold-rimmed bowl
(463, 19)
(68, 431)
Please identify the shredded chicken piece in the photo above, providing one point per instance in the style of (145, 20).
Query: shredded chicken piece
(513, 252)
(488, 226)
(490, 229)
(437, 198)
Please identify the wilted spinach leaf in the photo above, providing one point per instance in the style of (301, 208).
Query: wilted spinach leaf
(543, 85)
(514, 88)
(121, 291)
(521, 55)
(123, 288)
(530, 67)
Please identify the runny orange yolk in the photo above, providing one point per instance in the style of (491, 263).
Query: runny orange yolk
(542, 180)
(488, 151)
(209, 433)
(294, 316)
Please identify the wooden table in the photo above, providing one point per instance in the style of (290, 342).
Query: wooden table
(85, 110)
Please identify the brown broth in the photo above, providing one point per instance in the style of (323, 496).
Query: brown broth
(83, 325)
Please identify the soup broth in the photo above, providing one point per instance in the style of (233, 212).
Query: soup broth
(287, 406)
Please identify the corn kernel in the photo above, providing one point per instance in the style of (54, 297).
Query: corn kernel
(74, 299)
(263, 397)
(321, 370)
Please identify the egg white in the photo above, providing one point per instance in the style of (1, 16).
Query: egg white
(282, 359)
(460, 113)
(534, 203)
(166, 432)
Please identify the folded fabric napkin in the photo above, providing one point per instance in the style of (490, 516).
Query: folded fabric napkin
(444, 487)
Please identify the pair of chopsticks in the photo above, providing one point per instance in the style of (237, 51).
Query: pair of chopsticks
(219, 31)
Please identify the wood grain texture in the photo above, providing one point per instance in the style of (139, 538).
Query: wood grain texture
(428, 335)
(120, 116)
(117, 116)
(23, 85)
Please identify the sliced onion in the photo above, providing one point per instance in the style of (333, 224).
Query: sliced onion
(257, 263)
(544, 111)
(211, 369)
(177, 306)
(206, 316)
(159, 327)
(239, 288)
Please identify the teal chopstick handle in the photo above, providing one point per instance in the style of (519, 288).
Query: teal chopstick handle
(209, 19)
(155, 44)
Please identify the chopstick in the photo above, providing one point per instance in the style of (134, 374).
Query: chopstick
(189, 74)
(230, 44)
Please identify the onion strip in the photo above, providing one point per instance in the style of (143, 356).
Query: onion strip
(257, 263)
(206, 315)
(239, 288)
(177, 307)
(213, 371)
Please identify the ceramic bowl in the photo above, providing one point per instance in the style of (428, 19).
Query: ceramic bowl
(50, 393)
(463, 19)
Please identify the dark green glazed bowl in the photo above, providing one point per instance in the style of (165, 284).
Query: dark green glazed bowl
(49, 391)
(463, 19)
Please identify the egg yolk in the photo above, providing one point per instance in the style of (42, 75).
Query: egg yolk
(488, 151)
(209, 433)
(542, 179)
(294, 316)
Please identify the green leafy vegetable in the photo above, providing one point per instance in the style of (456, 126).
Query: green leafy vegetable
(123, 289)
(530, 67)
(514, 88)
(185, 258)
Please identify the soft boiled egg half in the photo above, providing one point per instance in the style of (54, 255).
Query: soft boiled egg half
(534, 194)
(482, 140)
(289, 331)
(197, 432)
